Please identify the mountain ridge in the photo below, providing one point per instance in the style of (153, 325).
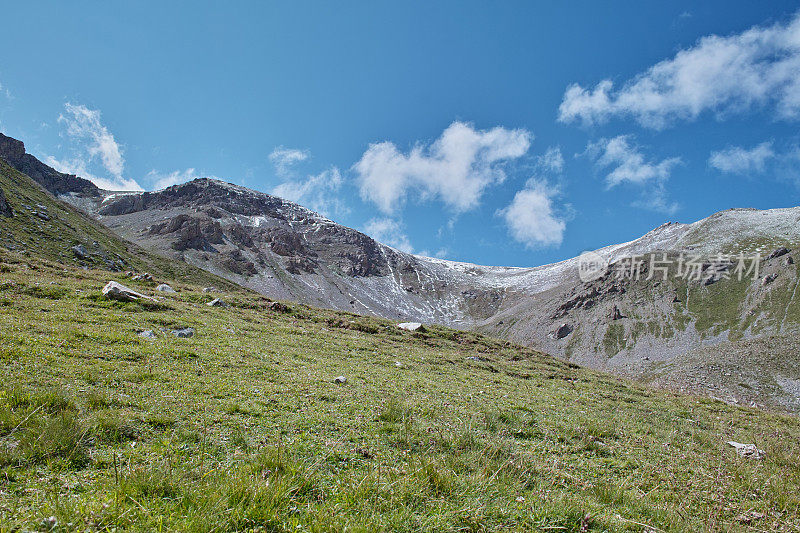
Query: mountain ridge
(631, 327)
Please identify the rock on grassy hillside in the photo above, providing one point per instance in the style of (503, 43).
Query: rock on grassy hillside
(242, 426)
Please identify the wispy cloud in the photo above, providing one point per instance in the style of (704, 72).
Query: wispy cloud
(625, 163)
(738, 160)
(92, 144)
(318, 192)
(389, 231)
(551, 161)
(455, 169)
(723, 75)
(284, 158)
(531, 217)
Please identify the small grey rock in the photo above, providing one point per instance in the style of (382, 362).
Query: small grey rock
(341, 380)
(183, 333)
(80, 251)
(117, 291)
(562, 331)
(147, 334)
(165, 288)
(411, 326)
(216, 302)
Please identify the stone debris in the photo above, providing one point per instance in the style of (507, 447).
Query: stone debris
(80, 251)
(778, 252)
(748, 450)
(279, 307)
(411, 326)
(117, 291)
(769, 279)
(562, 331)
(183, 333)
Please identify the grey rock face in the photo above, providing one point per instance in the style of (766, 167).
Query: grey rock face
(13, 151)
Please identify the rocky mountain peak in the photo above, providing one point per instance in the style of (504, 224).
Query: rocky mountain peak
(58, 183)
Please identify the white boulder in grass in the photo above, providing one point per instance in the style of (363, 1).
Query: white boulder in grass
(411, 326)
(164, 288)
(117, 291)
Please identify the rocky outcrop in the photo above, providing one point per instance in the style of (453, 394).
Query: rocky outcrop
(13, 151)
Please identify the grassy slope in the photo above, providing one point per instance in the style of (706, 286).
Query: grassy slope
(52, 239)
(241, 426)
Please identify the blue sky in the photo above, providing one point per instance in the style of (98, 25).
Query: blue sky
(513, 133)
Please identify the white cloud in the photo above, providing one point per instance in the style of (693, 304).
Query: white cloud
(78, 166)
(284, 158)
(738, 160)
(724, 75)
(318, 192)
(93, 142)
(551, 160)
(389, 231)
(456, 168)
(531, 218)
(160, 180)
(627, 162)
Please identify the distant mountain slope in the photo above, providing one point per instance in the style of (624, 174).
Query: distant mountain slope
(636, 327)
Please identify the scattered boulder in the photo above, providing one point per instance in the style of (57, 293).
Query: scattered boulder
(42, 215)
(778, 252)
(80, 251)
(183, 333)
(279, 307)
(748, 450)
(769, 279)
(789, 260)
(562, 331)
(142, 277)
(164, 288)
(411, 326)
(216, 302)
(147, 334)
(209, 289)
(117, 291)
(615, 313)
(398, 364)
(340, 380)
